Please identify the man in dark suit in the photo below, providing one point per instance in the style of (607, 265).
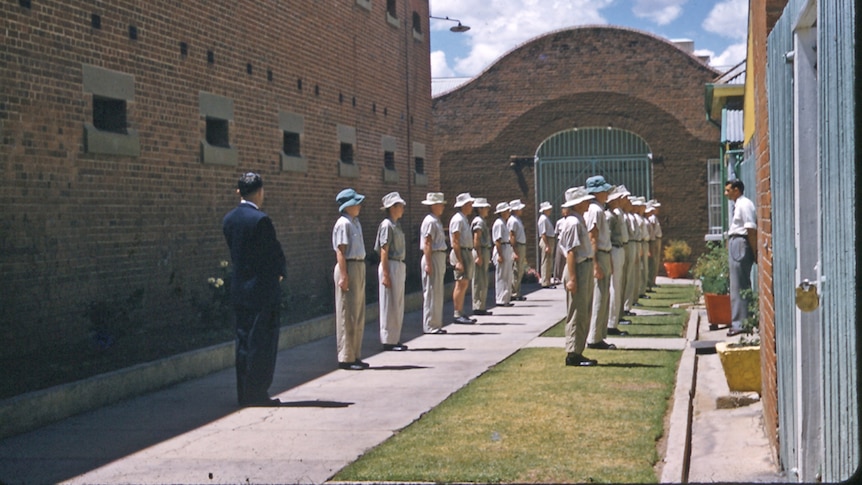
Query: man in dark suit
(258, 267)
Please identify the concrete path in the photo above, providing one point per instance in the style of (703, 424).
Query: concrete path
(194, 433)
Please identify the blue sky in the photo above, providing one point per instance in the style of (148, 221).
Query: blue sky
(717, 27)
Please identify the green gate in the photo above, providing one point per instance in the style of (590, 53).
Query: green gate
(567, 158)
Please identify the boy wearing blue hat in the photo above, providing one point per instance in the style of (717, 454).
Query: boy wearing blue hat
(349, 276)
(600, 237)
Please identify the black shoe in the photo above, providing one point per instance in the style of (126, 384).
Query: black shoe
(364, 364)
(519, 298)
(616, 331)
(624, 322)
(482, 312)
(734, 332)
(629, 313)
(505, 304)
(437, 331)
(602, 346)
(399, 347)
(637, 304)
(350, 366)
(644, 297)
(579, 360)
(463, 320)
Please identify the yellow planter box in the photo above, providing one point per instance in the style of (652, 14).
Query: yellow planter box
(741, 367)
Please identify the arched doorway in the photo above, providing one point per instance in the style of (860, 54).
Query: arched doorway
(567, 158)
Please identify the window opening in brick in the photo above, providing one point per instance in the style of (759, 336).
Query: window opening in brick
(389, 160)
(210, 57)
(299, 84)
(291, 145)
(25, 3)
(419, 165)
(373, 107)
(269, 75)
(391, 8)
(96, 21)
(417, 23)
(354, 101)
(347, 153)
(248, 69)
(217, 132)
(316, 90)
(184, 49)
(133, 32)
(109, 114)
(340, 98)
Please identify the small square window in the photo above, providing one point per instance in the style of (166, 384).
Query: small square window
(347, 153)
(389, 160)
(184, 49)
(417, 23)
(419, 165)
(109, 114)
(96, 21)
(217, 132)
(25, 3)
(391, 8)
(291, 145)
(133, 32)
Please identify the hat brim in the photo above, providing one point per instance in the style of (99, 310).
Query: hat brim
(395, 202)
(356, 200)
(464, 202)
(432, 202)
(502, 210)
(578, 200)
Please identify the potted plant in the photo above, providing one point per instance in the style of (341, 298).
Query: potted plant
(676, 258)
(741, 360)
(713, 271)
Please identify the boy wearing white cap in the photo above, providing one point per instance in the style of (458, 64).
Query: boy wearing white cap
(391, 272)
(432, 243)
(519, 247)
(482, 254)
(502, 239)
(655, 242)
(461, 256)
(578, 277)
(619, 242)
(547, 243)
(349, 276)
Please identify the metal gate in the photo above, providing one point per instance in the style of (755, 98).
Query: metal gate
(567, 158)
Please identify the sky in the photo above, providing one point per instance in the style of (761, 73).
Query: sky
(717, 27)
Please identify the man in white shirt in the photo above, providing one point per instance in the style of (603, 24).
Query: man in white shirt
(432, 243)
(742, 251)
(501, 237)
(519, 247)
(461, 255)
(600, 237)
(547, 244)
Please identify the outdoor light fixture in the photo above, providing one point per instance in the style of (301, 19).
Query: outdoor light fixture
(456, 28)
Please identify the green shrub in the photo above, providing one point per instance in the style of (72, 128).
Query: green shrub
(713, 269)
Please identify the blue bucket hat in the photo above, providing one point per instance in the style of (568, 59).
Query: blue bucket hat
(347, 198)
(596, 184)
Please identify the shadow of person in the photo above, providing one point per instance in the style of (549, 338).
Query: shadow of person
(315, 404)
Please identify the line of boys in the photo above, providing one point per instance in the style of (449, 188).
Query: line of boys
(617, 233)
(611, 244)
(472, 244)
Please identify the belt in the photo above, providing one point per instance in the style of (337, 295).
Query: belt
(585, 261)
(736, 235)
(399, 260)
(466, 249)
(439, 250)
(521, 244)
(617, 245)
(355, 260)
(605, 250)
(504, 244)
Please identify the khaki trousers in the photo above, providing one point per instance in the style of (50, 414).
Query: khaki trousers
(578, 307)
(480, 279)
(503, 276)
(617, 295)
(391, 302)
(630, 283)
(518, 269)
(601, 300)
(432, 292)
(547, 259)
(350, 312)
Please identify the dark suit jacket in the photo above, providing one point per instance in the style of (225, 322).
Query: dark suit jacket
(258, 259)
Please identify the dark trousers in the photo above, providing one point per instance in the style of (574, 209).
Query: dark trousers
(256, 348)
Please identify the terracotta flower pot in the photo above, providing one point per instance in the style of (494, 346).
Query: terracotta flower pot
(676, 270)
(718, 309)
(741, 367)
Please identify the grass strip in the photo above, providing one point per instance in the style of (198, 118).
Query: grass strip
(530, 419)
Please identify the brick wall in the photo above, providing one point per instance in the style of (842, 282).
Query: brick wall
(583, 77)
(78, 227)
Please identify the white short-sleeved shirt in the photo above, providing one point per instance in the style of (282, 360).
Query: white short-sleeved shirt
(479, 224)
(575, 237)
(653, 219)
(516, 226)
(431, 226)
(744, 217)
(595, 217)
(460, 224)
(391, 233)
(500, 231)
(348, 231)
(545, 227)
(619, 227)
(558, 227)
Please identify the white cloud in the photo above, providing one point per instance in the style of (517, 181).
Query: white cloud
(661, 12)
(728, 18)
(733, 55)
(498, 26)
(440, 66)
